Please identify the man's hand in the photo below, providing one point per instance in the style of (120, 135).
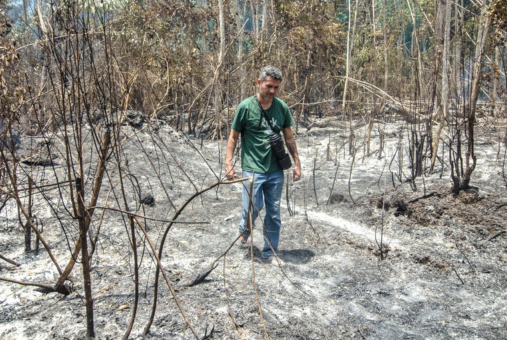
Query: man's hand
(293, 150)
(230, 172)
(296, 175)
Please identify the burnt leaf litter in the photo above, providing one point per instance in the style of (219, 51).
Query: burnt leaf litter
(405, 261)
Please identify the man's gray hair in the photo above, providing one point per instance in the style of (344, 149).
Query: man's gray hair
(270, 71)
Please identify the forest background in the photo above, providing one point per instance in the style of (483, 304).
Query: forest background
(196, 60)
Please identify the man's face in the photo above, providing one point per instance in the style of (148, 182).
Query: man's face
(268, 88)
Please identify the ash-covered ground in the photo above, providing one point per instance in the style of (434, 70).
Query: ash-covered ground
(442, 273)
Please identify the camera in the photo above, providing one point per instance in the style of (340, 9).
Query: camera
(282, 158)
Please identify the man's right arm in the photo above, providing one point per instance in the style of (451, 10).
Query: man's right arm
(230, 172)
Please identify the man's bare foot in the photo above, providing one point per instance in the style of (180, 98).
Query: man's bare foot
(243, 239)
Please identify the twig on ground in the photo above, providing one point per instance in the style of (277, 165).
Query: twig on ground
(500, 206)
(197, 279)
(10, 261)
(496, 235)
(423, 197)
(48, 287)
(459, 277)
(206, 335)
(464, 255)
(362, 335)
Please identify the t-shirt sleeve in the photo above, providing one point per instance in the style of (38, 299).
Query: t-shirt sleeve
(288, 121)
(239, 119)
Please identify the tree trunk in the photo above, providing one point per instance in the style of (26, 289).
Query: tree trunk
(87, 280)
(106, 140)
(471, 159)
(25, 12)
(242, 73)
(255, 21)
(458, 22)
(370, 116)
(222, 30)
(177, 110)
(265, 22)
(442, 110)
(439, 44)
(347, 61)
(496, 61)
(28, 229)
(218, 87)
(386, 64)
(205, 29)
(414, 38)
(350, 45)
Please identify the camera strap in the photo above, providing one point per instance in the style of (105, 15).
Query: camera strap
(263, 113)
(282, 158)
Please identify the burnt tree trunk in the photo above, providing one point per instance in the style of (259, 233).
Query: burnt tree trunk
(28, 229)
(470, 157)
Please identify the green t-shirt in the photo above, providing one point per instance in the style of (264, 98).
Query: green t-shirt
(256, 152)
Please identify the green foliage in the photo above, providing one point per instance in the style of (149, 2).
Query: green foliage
(498, 10)
(170, 48)
(312, 34)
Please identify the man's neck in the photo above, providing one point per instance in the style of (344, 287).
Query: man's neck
(265, 103)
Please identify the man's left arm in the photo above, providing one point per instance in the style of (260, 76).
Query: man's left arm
(290, 141)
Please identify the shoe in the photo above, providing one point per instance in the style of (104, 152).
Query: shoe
(275, 261)
(242, 242)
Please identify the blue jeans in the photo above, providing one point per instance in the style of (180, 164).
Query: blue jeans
(267, 188)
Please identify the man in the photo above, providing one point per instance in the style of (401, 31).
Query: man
(257, 157)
